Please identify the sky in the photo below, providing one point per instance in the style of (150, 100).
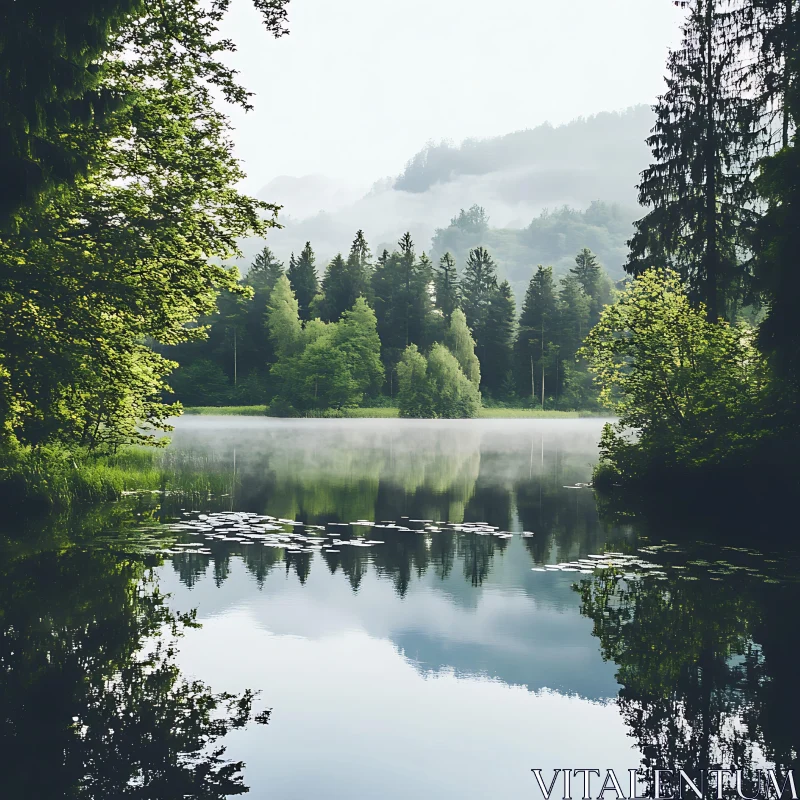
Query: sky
(359, 86)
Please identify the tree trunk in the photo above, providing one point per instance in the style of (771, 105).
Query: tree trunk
(786, 68)
(712, 250)
(533, 381)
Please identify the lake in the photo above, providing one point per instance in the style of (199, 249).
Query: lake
(386, 608)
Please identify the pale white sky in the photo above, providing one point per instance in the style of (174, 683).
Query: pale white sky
(360, 85)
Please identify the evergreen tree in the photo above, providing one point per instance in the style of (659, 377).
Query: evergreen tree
(699, 187)
(537, 329)
(575, 387)
(480, 279)
(594, 281)
(264, 272)
(344, 282)
(460, 343)
(302, 274)
(477, 286)
(446, 287)
(401, 291)
(772, 27)
(498, 340)
(359, 263)
(768, 31)
(415, 281)
(574, 317)
(336, 291)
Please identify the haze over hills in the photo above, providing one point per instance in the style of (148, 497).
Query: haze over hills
(591, 165)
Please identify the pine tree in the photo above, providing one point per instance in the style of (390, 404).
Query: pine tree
(699, 186)
(768, 30)
(538, 324)
(359, 261)
(401, 291)
(338, 292)
(416, 279)
(460, 343)
(446, 287)
(302, 275)
(772, 28)
(264, 272)
(498, 340)
(594, 281)
(575, 316)
(477, 286)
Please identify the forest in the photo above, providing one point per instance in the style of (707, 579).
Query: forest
(120, 209)
(355, 337)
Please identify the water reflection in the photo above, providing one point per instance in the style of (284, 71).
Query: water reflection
(438, 663)
(92, 702)
(703, 662)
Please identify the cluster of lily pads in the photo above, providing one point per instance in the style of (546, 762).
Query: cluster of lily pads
(628, 566)
(246, 528)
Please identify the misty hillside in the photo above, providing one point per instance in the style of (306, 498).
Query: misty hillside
(573, 162)
(553, 238)
(584, 172)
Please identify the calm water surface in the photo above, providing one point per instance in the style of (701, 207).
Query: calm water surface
(445, 661)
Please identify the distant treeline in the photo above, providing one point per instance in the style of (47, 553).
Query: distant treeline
(551, 237)
(398, 328)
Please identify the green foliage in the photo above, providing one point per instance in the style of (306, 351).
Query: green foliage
(551, 238)
(699, 186)
(400, 287)
(451, 393)
(537, 325)
(51, 86)
(264, 273)
(412, 379)
(302, 275)
(477, 285)
(283, 320)
(57, 65)
(326, 364)
(356, 335)
(201, 383)
(345, 281)
(594, 282)
(777, 242)
(446, 287)
(319, 377)
(688, 392)
(498, 341)
(436, 386)
(461, 344)
(127, 255)
(574, 314)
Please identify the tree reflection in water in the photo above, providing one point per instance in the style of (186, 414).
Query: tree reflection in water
(704, 666)
(92, 704)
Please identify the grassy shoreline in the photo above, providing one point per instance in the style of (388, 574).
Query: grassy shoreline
(56, 478)
(393, 413)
